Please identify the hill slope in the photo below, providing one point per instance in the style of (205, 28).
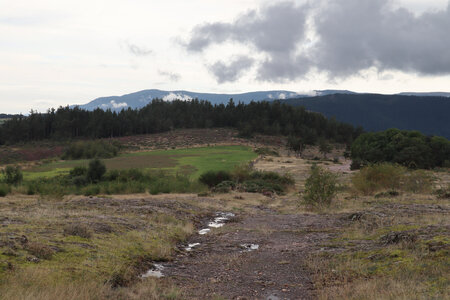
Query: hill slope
(142, 98)
(374, 112)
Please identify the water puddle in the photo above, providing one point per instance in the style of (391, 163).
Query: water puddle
(204, 231)
(190, 246)
(249, 247)
(218, 222)
(220, 219)
(156, 271)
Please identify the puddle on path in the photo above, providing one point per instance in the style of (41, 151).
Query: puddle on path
(204, 231)
(190, 246)
(156, 271)
(249, 247)
(219, 221)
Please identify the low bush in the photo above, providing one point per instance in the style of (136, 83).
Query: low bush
(213, 178)
(241, 173)
(175, 184)
(378, 177)
(320, 187)
(261, 186)
(80, 230)
(78, 171)
(4, 190)
(418, 181)
(91, 190)
(242, 178)
(91, 149)
(224, 187)
(443, 193)
(40, 250)
(390, 177)
(13, 175)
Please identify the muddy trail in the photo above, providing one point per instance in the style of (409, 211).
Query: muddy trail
(252, 256)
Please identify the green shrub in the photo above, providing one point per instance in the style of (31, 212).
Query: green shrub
(213, 178)
(78, 171)
(261, 186)
(91, 190)
(31, 189)
(13, 175)
(4, 190)
(175, 184)
(80, 180)
(320, 187)
(96, 170)
(378, 177)
(224, 187)
(120, 187)
(273, 177)
(91, 149)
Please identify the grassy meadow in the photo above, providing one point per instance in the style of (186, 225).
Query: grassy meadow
(191, 161)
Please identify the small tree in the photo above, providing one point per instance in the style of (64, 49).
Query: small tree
(296, 144)
(320, 187)
(13, 175)
(96, 170)
(324, 147)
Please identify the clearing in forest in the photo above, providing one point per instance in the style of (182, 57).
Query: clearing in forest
(189, 161)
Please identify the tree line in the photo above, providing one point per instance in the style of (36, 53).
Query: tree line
(408, 148)
(159, 116)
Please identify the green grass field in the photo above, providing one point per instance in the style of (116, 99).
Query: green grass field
(191, 161)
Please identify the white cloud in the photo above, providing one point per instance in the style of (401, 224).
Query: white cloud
(58, 50)
(118, 105)
(173, 96)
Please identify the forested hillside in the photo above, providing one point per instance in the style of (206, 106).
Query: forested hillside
(159, 116)
(429, 115)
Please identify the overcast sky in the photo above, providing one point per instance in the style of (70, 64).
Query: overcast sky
(55, 52)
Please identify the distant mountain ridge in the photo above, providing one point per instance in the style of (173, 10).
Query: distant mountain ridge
(375, 112)
(426, 112)
(6, 116)
(142, 98)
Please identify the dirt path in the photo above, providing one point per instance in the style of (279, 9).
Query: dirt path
(224, 265)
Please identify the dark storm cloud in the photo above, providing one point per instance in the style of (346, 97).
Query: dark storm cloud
(274, 31)
(350, 36)
(359, 34)
(230, 72)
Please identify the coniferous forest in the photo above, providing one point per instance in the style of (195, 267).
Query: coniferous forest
(274, 118)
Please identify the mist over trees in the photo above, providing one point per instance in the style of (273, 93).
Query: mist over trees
(159, 116)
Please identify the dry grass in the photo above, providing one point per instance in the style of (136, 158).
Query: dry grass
(33, 284)
(129, 231)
